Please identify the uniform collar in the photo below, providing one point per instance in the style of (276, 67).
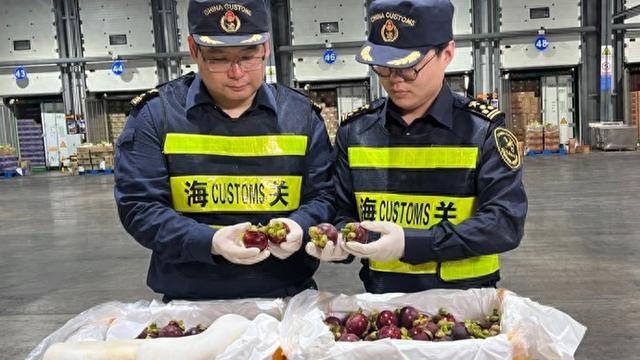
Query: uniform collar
(440, 110)
(198, 95)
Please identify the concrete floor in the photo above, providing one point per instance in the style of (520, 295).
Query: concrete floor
(63, 250)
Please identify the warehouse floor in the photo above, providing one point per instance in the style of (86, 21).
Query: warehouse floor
(63, 250)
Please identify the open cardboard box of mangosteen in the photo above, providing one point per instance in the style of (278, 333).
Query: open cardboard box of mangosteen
(527, 330)
(297, 329)
(113, 331)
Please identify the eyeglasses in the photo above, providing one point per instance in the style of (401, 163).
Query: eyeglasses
(407, 74)
(246, 63)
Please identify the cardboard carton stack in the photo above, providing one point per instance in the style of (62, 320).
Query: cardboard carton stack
(7, 150)
(102, 157)
(635, 110)
(8, 159)
(551, 138)
(535, 137)
(84, 158)
(525, 108)
(327, 100)
(95, 157)
(116, 123)
(116, 118)
(330, 116)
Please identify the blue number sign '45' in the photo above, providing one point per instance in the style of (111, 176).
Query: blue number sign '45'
(117, 68)
(541, 43)
(20, 73)
(330, 56)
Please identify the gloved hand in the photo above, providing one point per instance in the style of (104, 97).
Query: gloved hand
(389, 247)
(227, 242)
(292, 243)
(330, 252)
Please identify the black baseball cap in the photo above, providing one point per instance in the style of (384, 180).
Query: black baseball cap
(402, 32)
(228, 23)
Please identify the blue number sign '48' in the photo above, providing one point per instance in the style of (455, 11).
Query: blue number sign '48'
(541, 43)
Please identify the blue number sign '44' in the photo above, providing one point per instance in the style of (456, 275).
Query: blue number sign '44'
(541, 43)
(117, 68)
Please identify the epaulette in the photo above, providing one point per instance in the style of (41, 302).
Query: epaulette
(316, 106)
(361, 110)
(144, 97)
(488, 112)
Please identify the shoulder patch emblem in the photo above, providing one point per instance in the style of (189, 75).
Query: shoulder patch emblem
(507, 147)
(487, 111)
(144, 97)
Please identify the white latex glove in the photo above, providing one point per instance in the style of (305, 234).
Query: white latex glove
(293, 242)
(227, 242)
(389, 247)
(330, 252)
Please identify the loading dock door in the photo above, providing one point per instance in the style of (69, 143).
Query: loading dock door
(557, 104)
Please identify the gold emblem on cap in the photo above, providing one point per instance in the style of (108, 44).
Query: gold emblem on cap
(209, 40)
(507, 146)
(365, 54)
(252, 39)
(229, 22)
(389, 31)
(413, 56)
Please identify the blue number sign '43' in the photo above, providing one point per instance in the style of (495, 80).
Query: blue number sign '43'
(541, 43)
(20, 73)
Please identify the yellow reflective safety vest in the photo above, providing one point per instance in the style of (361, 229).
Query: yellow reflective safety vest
(417, 185)
(223, 172)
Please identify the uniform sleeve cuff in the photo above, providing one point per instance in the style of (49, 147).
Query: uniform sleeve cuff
(418, 246)
(199, 246)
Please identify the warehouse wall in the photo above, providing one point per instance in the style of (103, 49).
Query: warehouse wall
(136, 20)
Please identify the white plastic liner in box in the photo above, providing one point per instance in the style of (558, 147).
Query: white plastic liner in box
(529, 330)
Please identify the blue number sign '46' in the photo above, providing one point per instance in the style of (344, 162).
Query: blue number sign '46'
(20, 73)
(330, 56)
(117, 68)
(541, 43)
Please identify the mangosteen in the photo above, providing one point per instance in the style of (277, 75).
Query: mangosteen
(256, 237)
(389, 331)
(322, 233)
(407, 315)
(420, 333)
(357, 323)
(349, 337)
(355, 232)
(459, 331)
(277, 231)
(175, 328)
(195, 330)
(332, 321)
(386, 317)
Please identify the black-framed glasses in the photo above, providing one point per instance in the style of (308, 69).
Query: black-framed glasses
(407, 74)
(246, 63)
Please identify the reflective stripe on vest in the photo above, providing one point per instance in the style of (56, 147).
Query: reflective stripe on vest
(235, 193)
(421, 211)
(414, 158)
(264, 145)
(202, 194)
